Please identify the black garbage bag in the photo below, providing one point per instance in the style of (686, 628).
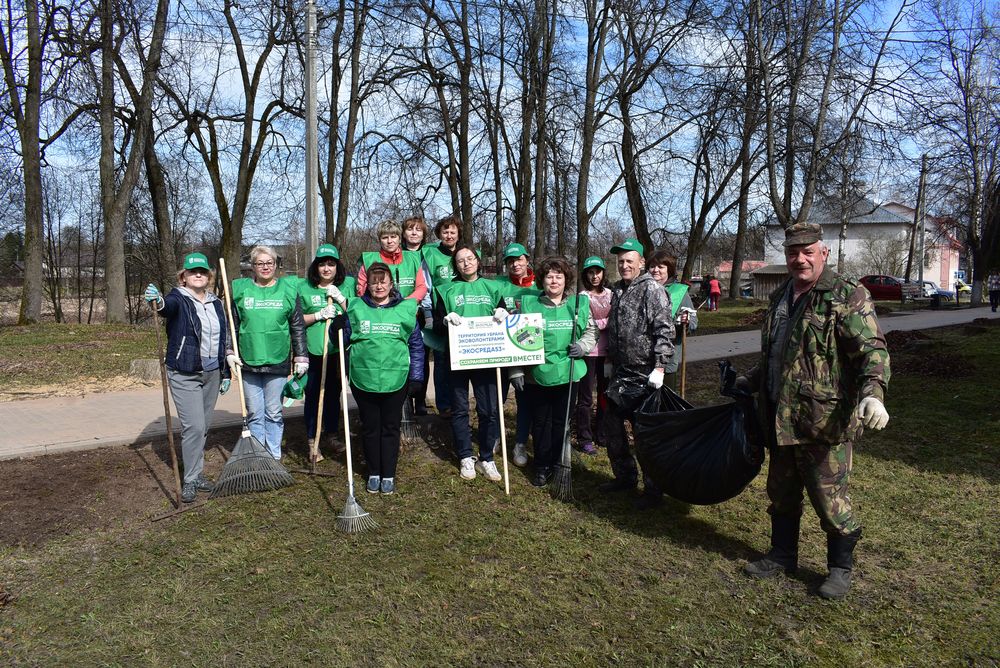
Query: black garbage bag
(627, 389)
(699, 455)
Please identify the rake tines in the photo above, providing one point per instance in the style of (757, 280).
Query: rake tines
(354, 518)
(407, 426)
(562, 483)
(250, 468)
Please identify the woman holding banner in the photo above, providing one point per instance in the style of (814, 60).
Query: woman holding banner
(469, 295)
(570, 333)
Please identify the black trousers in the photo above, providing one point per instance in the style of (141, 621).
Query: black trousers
(548, 423)
(331, 395)
(381, 414)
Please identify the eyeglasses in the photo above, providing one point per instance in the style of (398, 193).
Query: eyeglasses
(269, 263)
(467, 260)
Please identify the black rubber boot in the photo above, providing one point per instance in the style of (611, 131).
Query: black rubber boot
(783, 557)
(840, 560)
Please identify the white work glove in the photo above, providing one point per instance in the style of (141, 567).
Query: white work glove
(655, 379)
(153, 296)
(234, 362)
(453, 319)
(325, 313)
(500, 314)
(872, 413)
(300, 368)
(334, 293)
(684, 315)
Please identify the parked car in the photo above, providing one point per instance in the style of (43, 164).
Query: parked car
(931, 290)
(883, 287)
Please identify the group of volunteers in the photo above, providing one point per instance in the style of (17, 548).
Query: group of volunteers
(395, 316)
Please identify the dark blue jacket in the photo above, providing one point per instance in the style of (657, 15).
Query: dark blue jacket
(184, 334)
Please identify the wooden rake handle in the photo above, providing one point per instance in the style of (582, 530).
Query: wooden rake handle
(232, 333)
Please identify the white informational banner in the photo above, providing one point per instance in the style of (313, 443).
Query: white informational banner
(483, 343)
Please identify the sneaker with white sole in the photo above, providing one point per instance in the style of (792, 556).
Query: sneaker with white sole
(520, 454)
(374, 484)
(468, 468)
(489, 469)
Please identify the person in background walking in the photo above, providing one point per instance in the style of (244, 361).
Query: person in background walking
(196, 361)
(386, 366)
(406, 266)
(714, 293)
(640, 343)
(519, 281)
(325, 281)
(272, 342)
(569, 334)
(415, 233)
(470, 295)
(595, 287)
(993, 285)
(438, 258)
(663, 268)
(821, 379)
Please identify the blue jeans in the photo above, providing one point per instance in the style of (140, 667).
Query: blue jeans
(263, 392)
(484, 387)
(442, 382)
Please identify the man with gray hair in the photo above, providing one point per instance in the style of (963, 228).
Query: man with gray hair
(822, 377)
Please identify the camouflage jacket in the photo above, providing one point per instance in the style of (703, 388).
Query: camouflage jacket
(640, 329)
(835, 357)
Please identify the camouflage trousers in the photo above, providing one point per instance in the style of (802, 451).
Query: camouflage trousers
(823, 471)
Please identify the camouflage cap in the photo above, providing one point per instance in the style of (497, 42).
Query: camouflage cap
(803, 234)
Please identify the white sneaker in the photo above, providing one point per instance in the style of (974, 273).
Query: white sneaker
(468, 468)
(520, 454)
(489, 469)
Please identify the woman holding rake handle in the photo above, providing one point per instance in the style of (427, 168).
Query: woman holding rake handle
(196, 361)
(663, 268)
(323, 296)
(470, 295)
(570, 333)
(386, 366)
(270, 328)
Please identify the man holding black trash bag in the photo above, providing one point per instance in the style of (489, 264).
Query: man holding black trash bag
(822, 379)
(640, 344)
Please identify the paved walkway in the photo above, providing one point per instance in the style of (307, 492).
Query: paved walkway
(42, 426)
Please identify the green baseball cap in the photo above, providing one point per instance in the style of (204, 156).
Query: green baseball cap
(514, 250)
(196, 261)
(328, 250)
(293, 390)
(629, 244)
(593, 261)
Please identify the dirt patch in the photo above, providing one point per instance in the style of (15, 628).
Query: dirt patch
(753, 319)
(900, 340)
(77, 388)
(916, 353)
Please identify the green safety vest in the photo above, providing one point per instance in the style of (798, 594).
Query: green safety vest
(470, 299)
(264, 313)
(559, 333)
(380, 350)
(438, 264)
(676, 292)
(512, 294)
(313, 300)
(404, 274)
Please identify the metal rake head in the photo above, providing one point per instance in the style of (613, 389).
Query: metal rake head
(251, 468)
(354, 519)
(562, 483)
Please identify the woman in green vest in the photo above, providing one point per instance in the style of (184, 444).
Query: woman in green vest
(406, 266)
(272, 342)
(386, 366)
(438, 258)
(323, 296)
(469, 295)
(662, 266)
(570, 333)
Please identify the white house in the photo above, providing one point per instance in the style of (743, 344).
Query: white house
(877, 242)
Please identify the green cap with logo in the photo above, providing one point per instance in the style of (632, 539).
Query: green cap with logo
(293, 390)
(629, 244)
(593, 261)
(328, 250)
(196, 261)
(514, 250)
(802, 234)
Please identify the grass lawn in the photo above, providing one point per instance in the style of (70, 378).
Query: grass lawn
(458, 574)
(51, 353)
(733, 315)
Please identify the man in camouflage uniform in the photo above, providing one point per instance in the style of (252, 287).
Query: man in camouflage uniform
(822, 378)
(640, 337)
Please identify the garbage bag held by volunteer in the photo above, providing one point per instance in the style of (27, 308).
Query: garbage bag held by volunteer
(699, 455)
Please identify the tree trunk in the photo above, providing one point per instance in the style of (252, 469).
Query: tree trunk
(167, 261)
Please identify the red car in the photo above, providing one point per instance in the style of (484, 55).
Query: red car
(883, 287)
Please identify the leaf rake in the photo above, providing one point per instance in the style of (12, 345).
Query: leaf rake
(353, 518)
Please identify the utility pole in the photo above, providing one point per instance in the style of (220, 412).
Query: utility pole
(312, 130)
(921, 216)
